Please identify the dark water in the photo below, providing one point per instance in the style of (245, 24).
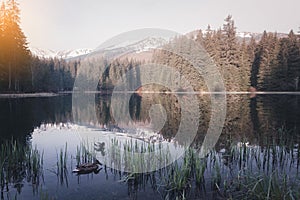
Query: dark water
(50, 123)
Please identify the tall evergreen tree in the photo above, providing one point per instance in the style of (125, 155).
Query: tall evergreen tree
(199, 37)
(229, 58)
(15, 52)
(230, 46)
(280, 72)
(208, 41)
(212, 44)
(266, 55)
(2, 49)
(294, 60)
(245, 66)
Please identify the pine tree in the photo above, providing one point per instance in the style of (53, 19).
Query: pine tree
(229, 57)
(2, 43)
(199, 37)
(208, 41)
(230, 47)
(251, 49)
(212, 43)
(15, 53)
(273, 51)
(280, 72)
(245, 66)
(293, 60)
(217, 51)
(266, 58)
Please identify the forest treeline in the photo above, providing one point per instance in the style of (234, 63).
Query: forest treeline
(20, 71)
(270, 63)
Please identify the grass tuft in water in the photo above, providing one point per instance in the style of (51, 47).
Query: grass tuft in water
(243, 171)
(61, 164)
(19, 162)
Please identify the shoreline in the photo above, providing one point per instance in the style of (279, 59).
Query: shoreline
(53, 94)
(30, 95)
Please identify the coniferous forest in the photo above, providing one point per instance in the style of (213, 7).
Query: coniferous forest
(20, 71)
(264, 62)
(270, 62)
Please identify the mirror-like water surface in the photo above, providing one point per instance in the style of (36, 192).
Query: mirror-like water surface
(260, 138)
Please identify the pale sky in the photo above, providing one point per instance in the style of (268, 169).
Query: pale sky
(70, 24)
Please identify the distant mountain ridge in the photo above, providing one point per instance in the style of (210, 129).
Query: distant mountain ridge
(127, 46)
(131, 46)
(240, 35)
(65, 54)
(137, 46)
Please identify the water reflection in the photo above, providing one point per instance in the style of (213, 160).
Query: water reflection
(19, 117)
(260, 133)
(252, 119)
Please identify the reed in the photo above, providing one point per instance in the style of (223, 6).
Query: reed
(62, 160)
(61, 165)
(241, 172)
(85, 153)
(18, 162)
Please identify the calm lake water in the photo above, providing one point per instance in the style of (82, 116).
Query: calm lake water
(269, 123)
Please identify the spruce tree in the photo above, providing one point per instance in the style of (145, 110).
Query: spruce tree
(230, 46)
(2, 47)
(266, 55)
(230, 56)
(280, 72)
(245, 66)
(293, 60)
(15, 52)
(208, 43)
(199, 37)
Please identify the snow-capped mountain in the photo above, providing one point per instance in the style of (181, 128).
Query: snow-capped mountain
(66, 54)
(128, 46)
(257, 36)
(131, 46)
(73, 53)
(42, 53)
(246, 34)
(137, 46)
(241, 35)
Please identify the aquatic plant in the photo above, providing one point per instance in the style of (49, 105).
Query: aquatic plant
(61, 165)
(243, 171)
(19, 162)
(85, 153)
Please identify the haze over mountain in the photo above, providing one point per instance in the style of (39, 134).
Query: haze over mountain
(65, 54)
(134, 46)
